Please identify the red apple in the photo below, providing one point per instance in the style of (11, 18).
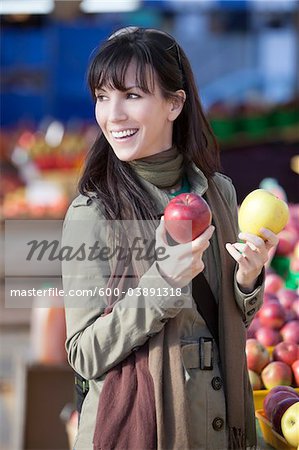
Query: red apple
(286, 297)
(284, 391)
(287, 242)
(267, 336)
(180, 211)
(287, 352)
(273, 283)
(255, 380)
(295, 308)
(270, 298)
(279, 411)
(290, 331)
(295, 369)
(257, 355)
(290, 425)
(290, 315)
(277, 373)
(272, 315)
(253, 327)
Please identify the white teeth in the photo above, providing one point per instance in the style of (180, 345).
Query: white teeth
(124, 133)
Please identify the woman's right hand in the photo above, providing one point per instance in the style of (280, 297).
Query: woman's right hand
(182, 261)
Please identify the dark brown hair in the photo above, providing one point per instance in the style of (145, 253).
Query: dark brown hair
(114, 181)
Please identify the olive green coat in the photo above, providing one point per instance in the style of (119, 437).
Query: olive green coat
(95, 344)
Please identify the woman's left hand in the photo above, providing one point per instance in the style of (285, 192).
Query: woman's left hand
(251, 256)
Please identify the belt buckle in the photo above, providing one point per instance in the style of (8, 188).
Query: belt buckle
(206, 351)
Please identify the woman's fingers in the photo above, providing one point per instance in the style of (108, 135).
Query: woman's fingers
(253, 239)
(236, 253)
(271, 239)
(203, 239)
(200, 243)
(248, 252)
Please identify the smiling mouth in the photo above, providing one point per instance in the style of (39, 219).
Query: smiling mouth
(125, 134)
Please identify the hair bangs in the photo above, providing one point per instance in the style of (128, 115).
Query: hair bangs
(110, 66)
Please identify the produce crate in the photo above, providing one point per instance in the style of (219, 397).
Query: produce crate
(259, 395)
(269, 435)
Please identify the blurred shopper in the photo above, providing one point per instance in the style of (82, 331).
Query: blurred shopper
(162, 374)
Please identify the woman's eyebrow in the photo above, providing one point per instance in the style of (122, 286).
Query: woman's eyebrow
(102, 89)
(131, 87)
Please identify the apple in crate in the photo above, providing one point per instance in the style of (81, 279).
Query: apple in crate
(287, 297)
(257, 355)
(272, 314)
(279, 410)
(253, 327)
(262, 209)
(275, 395)
(295, 308)
(273, 283)
(184, 210)
(277, 373)
(267, 336)
(290, 424)
(290, 331)
(295, 369)
(287, 242)
(287, 352)
(255, 380)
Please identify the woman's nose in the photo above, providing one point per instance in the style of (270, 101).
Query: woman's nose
(117, 111)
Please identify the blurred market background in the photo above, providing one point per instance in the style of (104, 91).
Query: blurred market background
(245, 55)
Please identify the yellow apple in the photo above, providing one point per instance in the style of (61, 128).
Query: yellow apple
(262, 209)
(290, 425)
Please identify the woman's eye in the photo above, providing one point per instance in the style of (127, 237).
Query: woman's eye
(132, 95)
(101, 97)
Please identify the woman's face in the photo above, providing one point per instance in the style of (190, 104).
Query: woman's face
(136, 124)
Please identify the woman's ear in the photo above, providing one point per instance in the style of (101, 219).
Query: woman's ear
(176, 104)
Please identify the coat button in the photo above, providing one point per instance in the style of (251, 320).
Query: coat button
(217, 423)
(216, 383)
(252, 301)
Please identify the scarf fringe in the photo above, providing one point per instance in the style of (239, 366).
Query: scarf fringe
(236, 439)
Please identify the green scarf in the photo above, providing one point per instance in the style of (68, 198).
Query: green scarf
(164, 169)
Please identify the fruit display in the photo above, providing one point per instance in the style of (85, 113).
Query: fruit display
(272, 367)
(186, 217)
(16, 205)
(53, 149)
(272, 346)
(45, 166)
(279, 418)
(277, 320)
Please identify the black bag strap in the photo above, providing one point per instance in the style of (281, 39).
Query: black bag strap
(206, 304)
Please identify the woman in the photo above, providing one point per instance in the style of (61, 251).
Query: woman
(160, 377)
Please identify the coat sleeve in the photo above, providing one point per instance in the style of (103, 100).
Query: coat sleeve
(249, 303)
(96, 343)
